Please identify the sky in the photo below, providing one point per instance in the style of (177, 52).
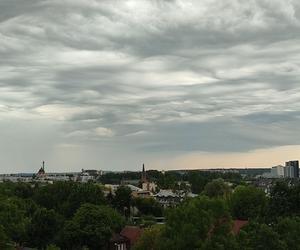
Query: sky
(174, 84)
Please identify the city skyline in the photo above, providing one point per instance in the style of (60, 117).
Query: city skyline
(174, 84)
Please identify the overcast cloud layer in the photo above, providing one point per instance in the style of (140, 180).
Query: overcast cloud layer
(111, 84)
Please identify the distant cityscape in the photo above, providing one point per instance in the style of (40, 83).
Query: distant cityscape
(289, 170)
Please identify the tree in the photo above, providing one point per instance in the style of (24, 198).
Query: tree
(217, 188)
(66, 197)
(148, 206)
(122, 200)
(44, 226)
(280, 201)
(288, 229)
(151, 239)
(192, 223)
(84, 193)
(23, 190)
(55, 196)
(91, 226)
(5, 243)
(260, 237)
(13, 219)
(52, 247)
(248, 202)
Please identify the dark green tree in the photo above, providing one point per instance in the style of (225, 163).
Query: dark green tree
(13, 219)
(192, 223)
(44, 227)
(257, 236)
(151, 239)
(122, 200)
(91, 226)
(280, 203)
(248, 202)
(148, 206)
(5, 242)
(84, 193)
(217, 188)
(288, 229)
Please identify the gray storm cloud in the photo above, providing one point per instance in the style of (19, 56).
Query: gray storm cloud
(82, 81)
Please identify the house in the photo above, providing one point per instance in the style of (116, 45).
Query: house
(167, 198)
(119, 242)
(126, 238)
(142, 194)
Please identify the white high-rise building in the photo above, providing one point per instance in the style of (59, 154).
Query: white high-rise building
(277, 171)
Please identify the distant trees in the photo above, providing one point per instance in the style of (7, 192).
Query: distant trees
(217, 188)
(170, 179)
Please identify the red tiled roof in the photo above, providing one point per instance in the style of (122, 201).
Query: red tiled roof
(132, 233)
(237, 225)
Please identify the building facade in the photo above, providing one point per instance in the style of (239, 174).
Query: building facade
(291, 169)
(277, 171)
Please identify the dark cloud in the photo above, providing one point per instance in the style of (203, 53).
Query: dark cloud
(146, 78)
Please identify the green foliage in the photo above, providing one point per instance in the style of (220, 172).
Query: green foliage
(189, 225)
(52, 247)
(84, 193)
(199, 179)
(116, 178)
(13, 219)
(44, 227)
(73, 216)
(284, 200)
(248, 202)
(148, 206)
(91, 226)
(5, 242)
(122, 200)
(54, 196)
(288, 229)
(169, 179)
(146, 221)
(260, 237)
(67, 197)
(151, 239)
(23, 190)
(217, 188)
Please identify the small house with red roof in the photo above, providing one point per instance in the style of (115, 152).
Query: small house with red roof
(126, 238)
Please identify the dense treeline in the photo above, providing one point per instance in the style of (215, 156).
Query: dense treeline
(68, 215)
